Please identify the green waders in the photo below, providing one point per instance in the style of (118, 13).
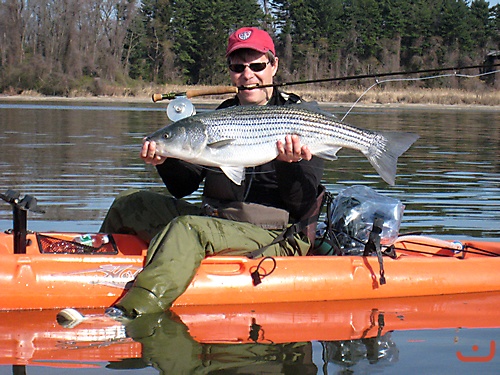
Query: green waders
(144, 213)
(175, 253)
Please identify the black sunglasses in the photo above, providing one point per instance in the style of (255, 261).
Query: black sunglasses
(255, 67)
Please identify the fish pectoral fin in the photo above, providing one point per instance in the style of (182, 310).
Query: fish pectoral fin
(328, 154)
(220, 144)
(235, 174)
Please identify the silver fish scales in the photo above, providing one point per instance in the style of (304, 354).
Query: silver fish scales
(246, 136)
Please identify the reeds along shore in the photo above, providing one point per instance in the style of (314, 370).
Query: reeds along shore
(408, 96)
(377, 95)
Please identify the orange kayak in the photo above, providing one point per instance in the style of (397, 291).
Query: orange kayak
(55, 272)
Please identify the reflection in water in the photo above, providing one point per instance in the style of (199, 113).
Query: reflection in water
(381, 350)
(363, 336)
(168, 346)
(74, 160)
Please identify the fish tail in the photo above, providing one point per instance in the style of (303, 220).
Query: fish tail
(385, 150)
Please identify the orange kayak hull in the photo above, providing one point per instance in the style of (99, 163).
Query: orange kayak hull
(424, 266)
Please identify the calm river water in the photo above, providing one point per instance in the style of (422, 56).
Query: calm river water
(74, 158)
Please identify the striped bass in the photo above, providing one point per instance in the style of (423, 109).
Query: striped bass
(246, 136)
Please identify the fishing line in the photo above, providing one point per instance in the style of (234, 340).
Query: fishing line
(363, 76)
(416, 79)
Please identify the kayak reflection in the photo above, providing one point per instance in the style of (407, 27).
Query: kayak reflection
(277, 338)
(297, 338)
(169, 347)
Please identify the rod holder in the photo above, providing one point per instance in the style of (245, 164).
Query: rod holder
(20, 208)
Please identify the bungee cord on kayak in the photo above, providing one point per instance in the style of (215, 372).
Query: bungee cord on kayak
(453, 252)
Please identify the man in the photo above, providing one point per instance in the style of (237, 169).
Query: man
(179, 233)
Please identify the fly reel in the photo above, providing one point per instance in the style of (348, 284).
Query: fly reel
(179, 108)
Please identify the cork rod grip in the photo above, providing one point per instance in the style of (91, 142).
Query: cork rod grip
(219, 90)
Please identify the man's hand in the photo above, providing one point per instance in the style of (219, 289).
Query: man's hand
(292, 151)
(148, 153)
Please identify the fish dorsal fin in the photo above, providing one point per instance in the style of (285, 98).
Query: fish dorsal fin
(235, 174)
(329, 154)
(220, 144)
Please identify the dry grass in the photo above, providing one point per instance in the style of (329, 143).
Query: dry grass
(406, 96)
(376, 96)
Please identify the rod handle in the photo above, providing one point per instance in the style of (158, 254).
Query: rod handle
(158, 97)
(196, 92)
(212, 91)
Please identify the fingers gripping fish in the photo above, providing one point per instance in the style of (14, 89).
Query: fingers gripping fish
(246, 136)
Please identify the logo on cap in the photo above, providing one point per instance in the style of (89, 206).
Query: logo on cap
(244, 35)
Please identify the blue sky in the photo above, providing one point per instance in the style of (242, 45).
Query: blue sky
(494, 2)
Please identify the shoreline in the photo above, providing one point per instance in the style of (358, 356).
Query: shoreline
(321, 98)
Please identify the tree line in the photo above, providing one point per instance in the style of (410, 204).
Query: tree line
(56, 46)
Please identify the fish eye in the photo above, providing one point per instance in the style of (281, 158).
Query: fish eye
(166, 135)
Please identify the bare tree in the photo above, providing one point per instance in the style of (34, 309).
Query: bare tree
(11, 32)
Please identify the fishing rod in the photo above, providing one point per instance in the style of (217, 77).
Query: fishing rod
(364, 76)
(219, 90)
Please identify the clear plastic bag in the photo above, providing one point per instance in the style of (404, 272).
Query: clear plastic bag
(353, 213)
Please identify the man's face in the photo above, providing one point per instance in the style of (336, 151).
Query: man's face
(249, 78)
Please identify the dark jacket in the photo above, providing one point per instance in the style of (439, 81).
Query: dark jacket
(291, 186)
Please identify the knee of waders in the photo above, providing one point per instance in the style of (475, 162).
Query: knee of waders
(131, 196)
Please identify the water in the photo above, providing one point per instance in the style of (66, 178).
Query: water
(74, 158)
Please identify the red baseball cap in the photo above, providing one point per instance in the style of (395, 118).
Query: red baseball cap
(251, 38)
